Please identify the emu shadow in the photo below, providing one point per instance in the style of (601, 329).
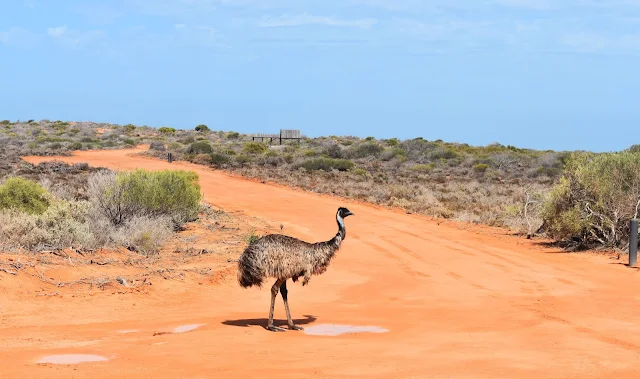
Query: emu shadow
(246, 322)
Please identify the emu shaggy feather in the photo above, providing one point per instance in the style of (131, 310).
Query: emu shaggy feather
(280, 256)
(283, 257)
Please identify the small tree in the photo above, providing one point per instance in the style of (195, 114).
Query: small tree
(202, 128)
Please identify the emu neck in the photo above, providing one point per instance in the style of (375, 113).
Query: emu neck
(342, 232)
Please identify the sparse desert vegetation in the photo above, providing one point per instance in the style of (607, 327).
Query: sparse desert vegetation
(522, 189)
(137, 210)
(487, 184)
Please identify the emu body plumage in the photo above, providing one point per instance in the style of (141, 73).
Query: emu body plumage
(283, 257)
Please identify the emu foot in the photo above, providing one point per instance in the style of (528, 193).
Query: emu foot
(295, 327)
(274, 328)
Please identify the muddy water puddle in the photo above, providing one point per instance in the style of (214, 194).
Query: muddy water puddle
(70, 359)
(335, 330)
(186, 328)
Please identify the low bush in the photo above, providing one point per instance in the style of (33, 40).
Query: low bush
(218, 159)
(200, 147)
(122, 196)
(480, 167)
(366, 149)
(61, 225)
(203, 159)
(254, 148)
(166, 130)
(68, 224)
(423, 167)
(326, 164)
(594, 200)
(23, 195)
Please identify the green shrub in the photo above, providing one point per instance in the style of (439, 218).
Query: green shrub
(218, 159)
(140, 193)
(167, 130)
(200, 147)
(242, 159)
(395, 152)
(129, 128)
(129, 141)
(361, 172)
(327, 164)
(187, 140)
(480, 167)
(23, 195)
(443, 153)
(423, 167)
(594, 200)
(202, 128)
(75, 146)
(367, 149)
(233, 135)
(254, 148)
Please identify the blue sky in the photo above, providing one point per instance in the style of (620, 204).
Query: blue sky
(531, 73)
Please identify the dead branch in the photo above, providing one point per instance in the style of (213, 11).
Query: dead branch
(8, 271)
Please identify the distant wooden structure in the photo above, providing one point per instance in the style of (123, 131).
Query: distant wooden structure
(285, 134)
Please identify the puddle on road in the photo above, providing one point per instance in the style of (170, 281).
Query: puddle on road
(186, 328)
(69, 359)
(334, 330)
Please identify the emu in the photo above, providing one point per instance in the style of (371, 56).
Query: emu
(283, 257)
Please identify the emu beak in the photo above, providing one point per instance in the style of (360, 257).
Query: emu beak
(350, 214)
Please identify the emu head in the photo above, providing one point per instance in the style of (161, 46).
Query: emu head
(344, 212)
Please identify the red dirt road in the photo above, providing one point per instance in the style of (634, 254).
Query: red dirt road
(458, 301)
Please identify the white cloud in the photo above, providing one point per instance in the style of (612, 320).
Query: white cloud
(74, 38)
(57, 32)
(17, 37)
(307, 19)
(594, 42)
(179, 26)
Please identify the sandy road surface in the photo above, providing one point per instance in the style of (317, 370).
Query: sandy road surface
(456, 302)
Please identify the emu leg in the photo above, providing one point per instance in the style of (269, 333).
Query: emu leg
(284, 292)
(274, 293)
